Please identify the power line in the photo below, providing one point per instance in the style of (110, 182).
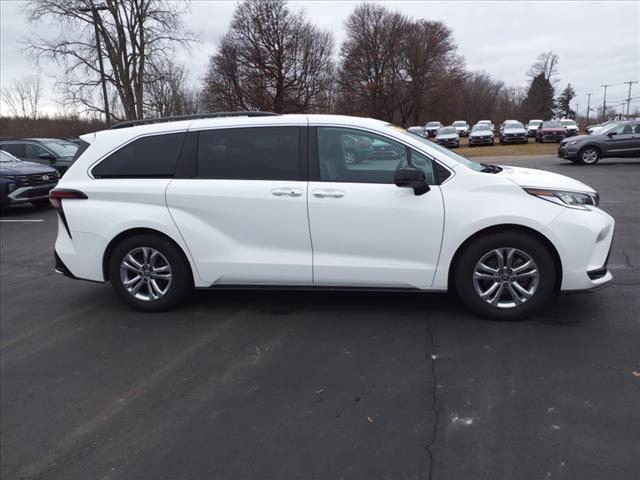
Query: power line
(629, 96)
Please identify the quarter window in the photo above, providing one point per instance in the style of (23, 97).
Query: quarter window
(253, 153)
(147, 157)
(347, 155)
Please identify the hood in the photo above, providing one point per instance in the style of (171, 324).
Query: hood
(461, 127)
(24, 168)
(529, 177)
(571, 127)
(514, 130)
(551, 129)
(576, 138)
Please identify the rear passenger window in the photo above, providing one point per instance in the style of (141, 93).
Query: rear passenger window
(254, 153)
(147, 157)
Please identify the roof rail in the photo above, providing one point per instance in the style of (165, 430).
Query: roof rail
(147, 121)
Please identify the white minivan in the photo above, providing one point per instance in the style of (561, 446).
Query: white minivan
(158, 207)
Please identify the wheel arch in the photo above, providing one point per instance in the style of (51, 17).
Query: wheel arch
(138, 231)
(502, 228)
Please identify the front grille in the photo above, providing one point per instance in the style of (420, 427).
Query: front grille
(35, 180)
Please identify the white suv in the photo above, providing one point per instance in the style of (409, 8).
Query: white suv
(271, 200)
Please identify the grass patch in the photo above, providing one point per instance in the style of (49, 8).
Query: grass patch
(497, 150)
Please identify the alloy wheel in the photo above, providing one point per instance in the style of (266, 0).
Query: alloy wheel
(146, 273)
(589, 155)
(349, 158)
(506, 277)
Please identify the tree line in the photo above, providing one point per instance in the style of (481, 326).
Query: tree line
(272, 58)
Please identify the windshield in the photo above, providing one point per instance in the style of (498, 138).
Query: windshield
(534, 123)
(445, 130)
(444, 151)
(461, 123)
(7, 157)
(482, 126)
(514, 125)
(567, 122)
(433, 124)
(552, 125)
(62, 149)
(607, 128)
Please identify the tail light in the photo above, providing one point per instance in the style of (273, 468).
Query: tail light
(58, 194)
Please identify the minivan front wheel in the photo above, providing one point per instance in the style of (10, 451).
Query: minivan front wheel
(505, 276)
(149, 273)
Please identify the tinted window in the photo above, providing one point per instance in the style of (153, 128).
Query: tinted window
(33, 151)
(147, 157)
(256, 153)
(15, 149)
(354, 156)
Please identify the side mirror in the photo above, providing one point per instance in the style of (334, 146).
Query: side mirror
(611, 134)
(411, 177)
(46, 156)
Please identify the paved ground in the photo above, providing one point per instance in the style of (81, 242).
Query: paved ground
(318, 385)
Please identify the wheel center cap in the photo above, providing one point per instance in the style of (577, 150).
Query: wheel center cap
(505, 277)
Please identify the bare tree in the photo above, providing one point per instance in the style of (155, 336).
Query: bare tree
(270, 59)
(22, 96)
(133, 33)
(167, 91)
(546, 64)
(397, 69)
(481, 94)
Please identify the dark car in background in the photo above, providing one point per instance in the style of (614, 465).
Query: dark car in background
(481, 134)
(431, 128)
(448, 137)
(621, 139)
(357, 148)
(513, 132)
(53, 152)
(22, 182)
(550, 130)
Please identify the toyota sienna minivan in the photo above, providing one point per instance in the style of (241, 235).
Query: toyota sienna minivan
(254, 199)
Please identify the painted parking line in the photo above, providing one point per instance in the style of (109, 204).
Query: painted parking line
(21, 220)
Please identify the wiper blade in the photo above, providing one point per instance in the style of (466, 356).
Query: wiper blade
(488, 168)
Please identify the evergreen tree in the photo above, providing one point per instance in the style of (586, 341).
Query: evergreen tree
(539, 102)
(564, 102)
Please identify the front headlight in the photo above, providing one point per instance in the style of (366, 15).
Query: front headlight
(573, 142)
(577, 200)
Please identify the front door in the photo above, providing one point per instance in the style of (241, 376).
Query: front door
(365, 230)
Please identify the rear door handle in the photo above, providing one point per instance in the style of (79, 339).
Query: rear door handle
(328, 193)
(286, 192)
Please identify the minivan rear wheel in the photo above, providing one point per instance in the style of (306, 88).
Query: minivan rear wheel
(505, 276)
(149, 273)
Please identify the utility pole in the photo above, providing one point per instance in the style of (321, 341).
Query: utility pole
(588, 107)
(604, 103)
(629, 97)
(94, 12)
(577, 110)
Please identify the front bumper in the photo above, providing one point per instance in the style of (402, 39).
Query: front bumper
(515, 138)
(28, 194)
(571, 133)
(583, 240)
(551, 136)
(565, 151)
(481, 140)
(449, 143)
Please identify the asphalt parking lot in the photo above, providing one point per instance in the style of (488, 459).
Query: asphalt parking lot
(326, 385)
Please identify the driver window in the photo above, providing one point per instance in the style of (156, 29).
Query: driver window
(349, 155)
(33, 150)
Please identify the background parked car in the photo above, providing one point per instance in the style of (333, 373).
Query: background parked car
(481, 134)
(357, 148)
(532, 127)
(52, 152)
(417, 130)
(591, 129)
(462, 127)
(448, 137)
(431, 128)
(487, 122)
(550, 130)
(513, 132)
(22, 182)
(621, 139)
(571, 126)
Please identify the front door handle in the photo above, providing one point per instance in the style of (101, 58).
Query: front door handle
(286, 192)
(328, 193)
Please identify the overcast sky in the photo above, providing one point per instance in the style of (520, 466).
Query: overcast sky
(598, 42)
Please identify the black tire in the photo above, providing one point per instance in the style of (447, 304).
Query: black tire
(181, 277)
(588, 155)
(524, 243)
(41, 203)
